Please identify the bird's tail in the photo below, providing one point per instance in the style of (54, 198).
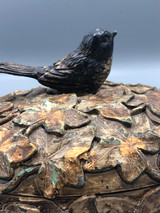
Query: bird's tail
(22, 70)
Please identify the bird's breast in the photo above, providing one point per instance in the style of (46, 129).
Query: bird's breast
(107, 68)
(103, 72)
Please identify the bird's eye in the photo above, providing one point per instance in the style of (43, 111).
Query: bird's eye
(105, 40)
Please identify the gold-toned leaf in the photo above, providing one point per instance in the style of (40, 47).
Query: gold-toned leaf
(141, 124)
(152, 116)
(21, 151)
(130, 147)
(131, 169)
(140, 89)
(54, 122)
(64, 100)
(6, 106)
(74, 118)
(62, 166)
(6, 136)
(154, 101)
(117, 112)
(13, 150)
(137, 101)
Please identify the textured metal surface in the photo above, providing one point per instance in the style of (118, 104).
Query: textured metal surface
(89, 153)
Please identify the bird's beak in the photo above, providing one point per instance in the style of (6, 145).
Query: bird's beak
(114, 34)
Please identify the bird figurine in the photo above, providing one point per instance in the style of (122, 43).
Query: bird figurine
(83, 70)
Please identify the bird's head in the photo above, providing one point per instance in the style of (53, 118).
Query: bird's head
(98, 44)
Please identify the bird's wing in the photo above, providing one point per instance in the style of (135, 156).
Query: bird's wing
(66, 73)
(67, 68)
(73, 61)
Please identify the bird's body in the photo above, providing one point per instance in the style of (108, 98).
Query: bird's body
(85, 69)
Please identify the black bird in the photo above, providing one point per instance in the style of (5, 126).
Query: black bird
(83, 70)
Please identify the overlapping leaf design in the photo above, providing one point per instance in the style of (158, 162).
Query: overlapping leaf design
(59, 158)
(61, 137)
(53, 114)
(14, 149)
(149, 101)
(5, 114)
(122, 148)
(109, 103)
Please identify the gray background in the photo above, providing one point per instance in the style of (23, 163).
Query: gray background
(39, 32)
